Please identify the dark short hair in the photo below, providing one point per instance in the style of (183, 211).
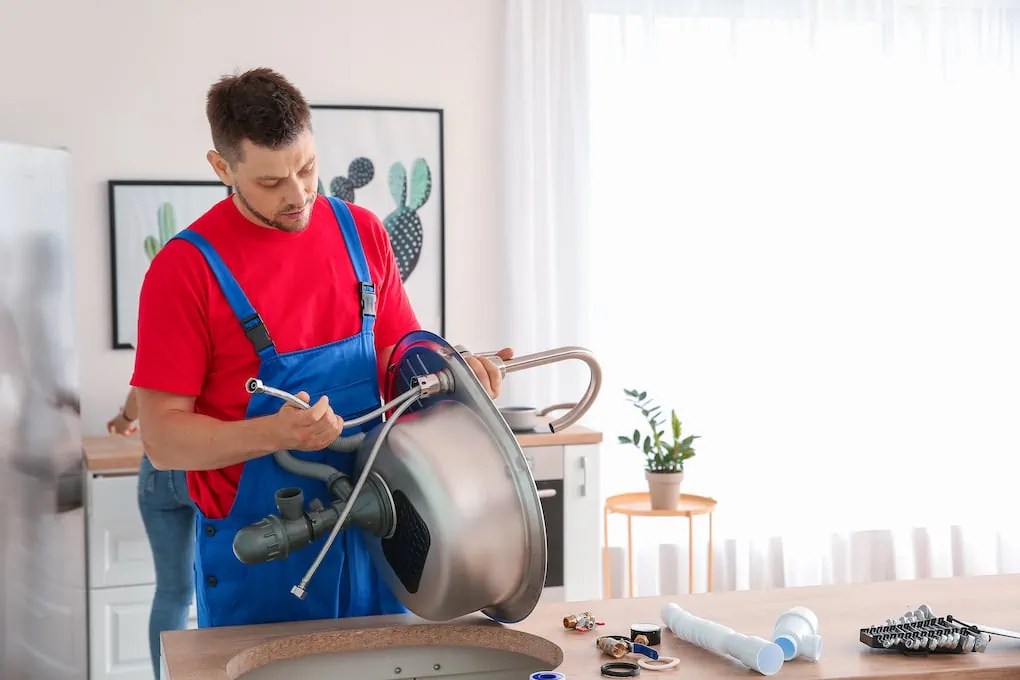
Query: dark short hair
(259, 105)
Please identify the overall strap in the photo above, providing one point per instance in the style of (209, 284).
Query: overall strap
(357, 254)
(250, 320)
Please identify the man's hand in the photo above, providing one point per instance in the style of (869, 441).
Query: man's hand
(310, 429)
(487, 372)
(121, 425)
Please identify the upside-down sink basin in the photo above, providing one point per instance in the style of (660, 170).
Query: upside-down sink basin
(373, 648)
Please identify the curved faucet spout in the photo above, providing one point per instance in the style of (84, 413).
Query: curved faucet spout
(552, 356)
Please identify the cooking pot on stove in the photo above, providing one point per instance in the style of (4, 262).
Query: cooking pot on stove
(524, 419)
(451, 513)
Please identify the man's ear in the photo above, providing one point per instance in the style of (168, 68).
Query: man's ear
(220, 167)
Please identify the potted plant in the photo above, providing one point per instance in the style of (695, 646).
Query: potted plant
(664, 456)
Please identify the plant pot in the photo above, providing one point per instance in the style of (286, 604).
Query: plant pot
(664, 489)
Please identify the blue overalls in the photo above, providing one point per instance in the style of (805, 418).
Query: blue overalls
(346, 584)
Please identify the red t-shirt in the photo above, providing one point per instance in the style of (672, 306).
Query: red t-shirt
(302, 284)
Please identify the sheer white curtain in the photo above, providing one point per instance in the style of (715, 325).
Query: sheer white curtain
(802, 235)
(545, 193)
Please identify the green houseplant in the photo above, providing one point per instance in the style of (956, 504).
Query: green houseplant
(664, 456)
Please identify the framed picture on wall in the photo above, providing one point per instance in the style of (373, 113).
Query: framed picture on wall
(390, 161)
(144, 215)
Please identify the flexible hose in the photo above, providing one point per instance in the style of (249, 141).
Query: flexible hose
(754, 652)
(342, 444)
(305, 468)
(412, 393)
(348, 444)
(256, 386)
(299, 589)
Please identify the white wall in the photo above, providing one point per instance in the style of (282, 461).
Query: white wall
(122, 84)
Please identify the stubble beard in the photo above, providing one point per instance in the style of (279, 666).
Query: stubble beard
(271, 223)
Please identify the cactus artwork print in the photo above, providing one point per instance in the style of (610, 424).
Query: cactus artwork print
(403, 224)
(167, 227)
(389, 160)
(145, 215)
(359, 173)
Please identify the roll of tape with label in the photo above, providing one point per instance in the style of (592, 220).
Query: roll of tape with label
(547, 675)
(652, 632)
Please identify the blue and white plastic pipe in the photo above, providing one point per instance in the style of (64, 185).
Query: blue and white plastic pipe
(796, 633)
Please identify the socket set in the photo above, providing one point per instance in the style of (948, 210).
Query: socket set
(921, 632)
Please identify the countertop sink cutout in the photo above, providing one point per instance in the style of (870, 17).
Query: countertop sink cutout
(405, 663)
(390, 647)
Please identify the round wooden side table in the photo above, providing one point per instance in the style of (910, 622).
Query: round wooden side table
(639, 505)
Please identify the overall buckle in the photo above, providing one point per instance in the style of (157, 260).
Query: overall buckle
(257, 332)
(367, 299)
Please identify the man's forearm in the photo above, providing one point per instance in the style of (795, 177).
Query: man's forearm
(188, 441)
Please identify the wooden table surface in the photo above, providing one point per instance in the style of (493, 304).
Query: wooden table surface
(114, 453)
(226, 653)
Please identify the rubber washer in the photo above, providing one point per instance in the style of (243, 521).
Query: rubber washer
(620, 669)
(651, 631)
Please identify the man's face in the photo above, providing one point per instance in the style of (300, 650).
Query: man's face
(274, 188)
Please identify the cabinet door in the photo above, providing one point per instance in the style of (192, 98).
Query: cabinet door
(582, 529)
(118, 549)
(119, 633)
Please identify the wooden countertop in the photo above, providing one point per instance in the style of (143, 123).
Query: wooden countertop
(115, 453)
(228, 653)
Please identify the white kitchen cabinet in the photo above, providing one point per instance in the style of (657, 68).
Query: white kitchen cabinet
(118, 552)
(119, 627)
(121, 578)
(582, 523)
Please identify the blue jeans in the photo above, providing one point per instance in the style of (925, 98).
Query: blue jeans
(169, 517)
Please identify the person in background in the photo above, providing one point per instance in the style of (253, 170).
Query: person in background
(168, 514)
(302, 291)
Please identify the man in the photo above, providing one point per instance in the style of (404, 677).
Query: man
(294, 288)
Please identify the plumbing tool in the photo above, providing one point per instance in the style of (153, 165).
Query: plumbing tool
(618, 646)
(452, 515)
(921, 632)
(582, 622)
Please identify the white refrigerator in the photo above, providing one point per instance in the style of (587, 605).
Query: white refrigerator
(44, 627)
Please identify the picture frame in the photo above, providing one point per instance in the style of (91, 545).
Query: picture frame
(144, 215)
(390, 160)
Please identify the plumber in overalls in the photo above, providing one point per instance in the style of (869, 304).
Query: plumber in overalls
(302, 291)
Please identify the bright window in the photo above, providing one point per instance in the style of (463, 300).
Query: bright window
(806, 235)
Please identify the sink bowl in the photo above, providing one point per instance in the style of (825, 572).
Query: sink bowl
(398, 653)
